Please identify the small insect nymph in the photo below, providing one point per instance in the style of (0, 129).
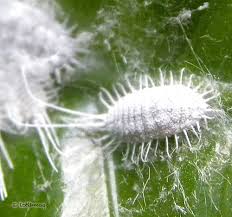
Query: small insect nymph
(148, 113)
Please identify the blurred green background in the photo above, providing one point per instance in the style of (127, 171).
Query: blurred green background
(138, 37)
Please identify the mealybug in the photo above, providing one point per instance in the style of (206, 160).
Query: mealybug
(32, 38)
(150, 112)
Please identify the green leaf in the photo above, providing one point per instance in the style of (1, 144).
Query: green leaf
(135, 36)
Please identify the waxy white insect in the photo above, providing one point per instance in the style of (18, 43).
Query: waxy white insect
(145, 114)
(32, 38)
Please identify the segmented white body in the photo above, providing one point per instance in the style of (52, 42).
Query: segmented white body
(156, 112)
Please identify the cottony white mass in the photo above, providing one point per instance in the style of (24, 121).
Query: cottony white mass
(33, 39)
(32, 36)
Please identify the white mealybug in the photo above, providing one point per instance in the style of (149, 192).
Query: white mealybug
(146, 114)
(33, 38)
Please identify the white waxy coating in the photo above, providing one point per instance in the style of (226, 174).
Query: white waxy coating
(157, 112)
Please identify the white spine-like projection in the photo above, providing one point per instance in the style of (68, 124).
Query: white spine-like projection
(32, 39)
(143, 116)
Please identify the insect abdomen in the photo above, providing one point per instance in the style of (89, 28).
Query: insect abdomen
(156, 112)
